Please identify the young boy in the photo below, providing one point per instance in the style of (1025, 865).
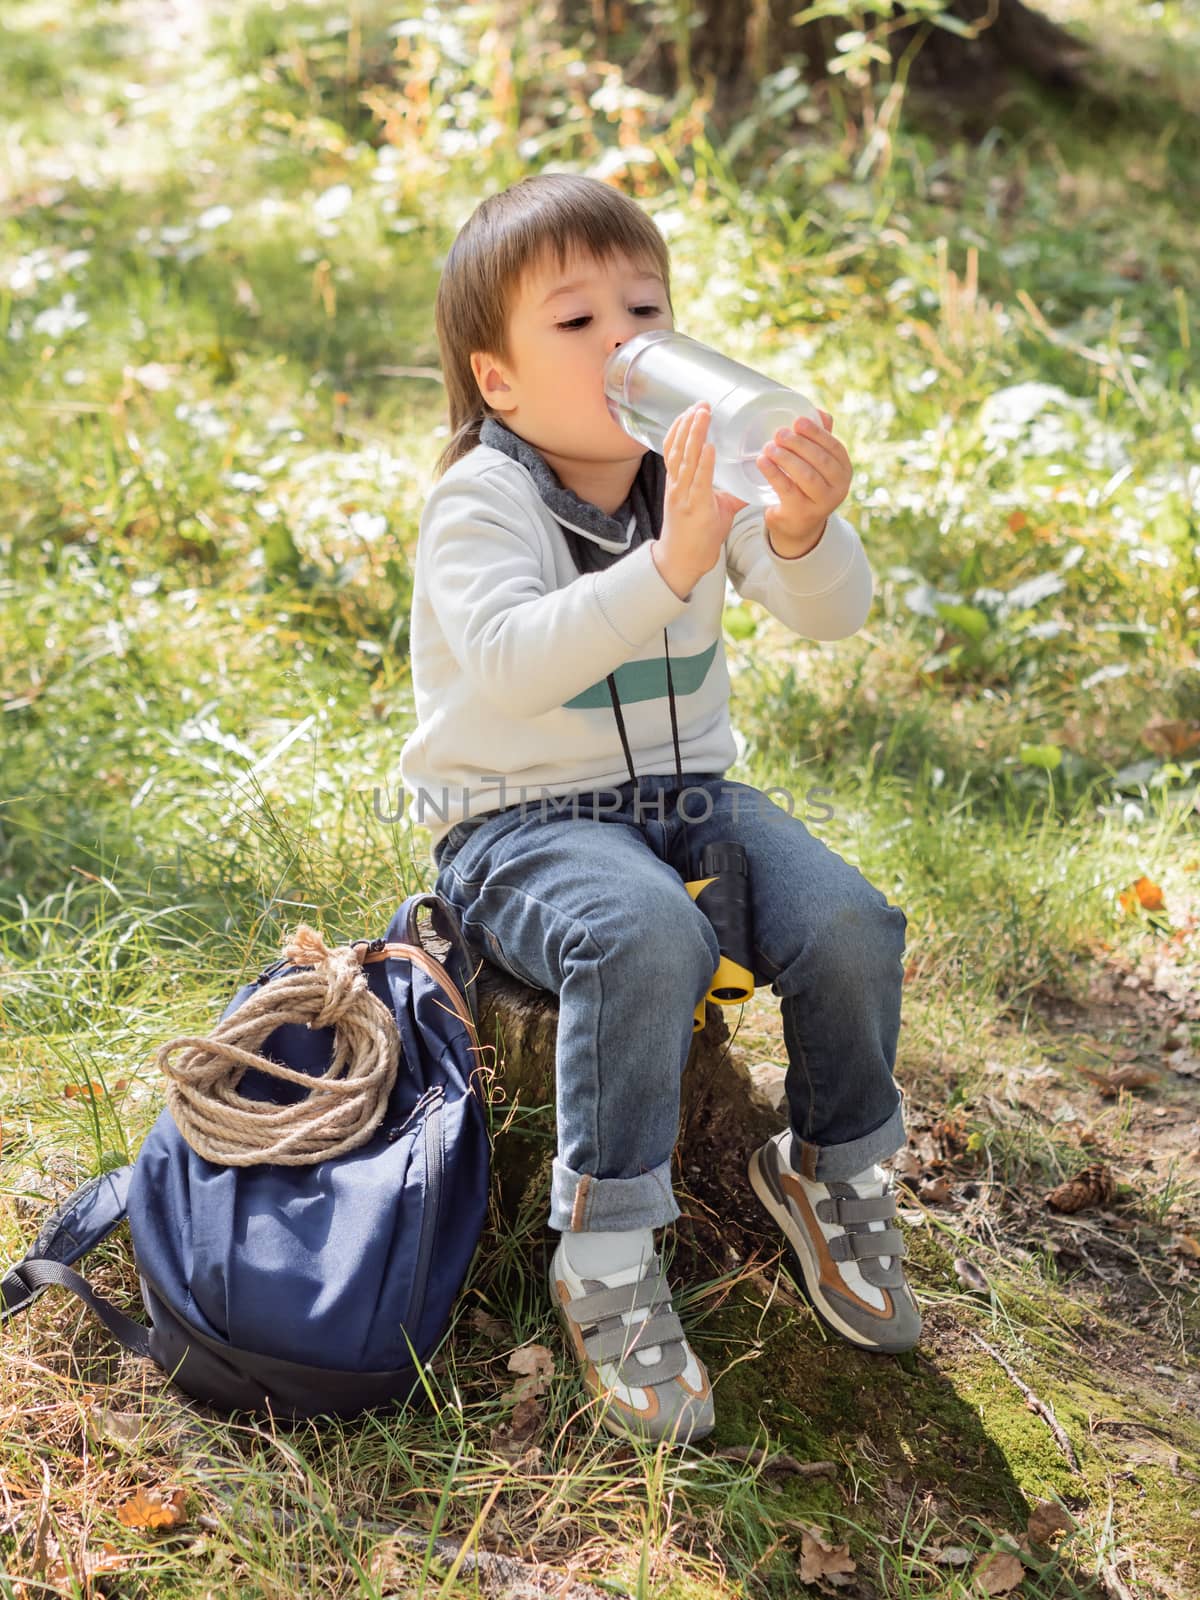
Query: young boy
(572, 731)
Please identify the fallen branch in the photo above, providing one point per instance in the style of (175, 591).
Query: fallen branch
(497, 1574)
(779, 1462)
(1043, 1407)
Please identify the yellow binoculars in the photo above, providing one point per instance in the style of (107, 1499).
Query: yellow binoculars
(722, 891)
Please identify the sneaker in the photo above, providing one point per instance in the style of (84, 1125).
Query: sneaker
(843, 1237)
(615, 1322)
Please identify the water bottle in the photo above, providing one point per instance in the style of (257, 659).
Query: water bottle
(653, 377)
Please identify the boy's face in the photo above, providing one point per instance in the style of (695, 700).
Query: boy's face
(552, 394)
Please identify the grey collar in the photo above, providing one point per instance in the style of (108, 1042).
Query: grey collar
(594, 538)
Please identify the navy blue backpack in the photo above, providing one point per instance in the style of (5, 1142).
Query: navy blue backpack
(306, 1290)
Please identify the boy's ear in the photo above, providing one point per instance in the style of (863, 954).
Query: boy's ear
(489, 378)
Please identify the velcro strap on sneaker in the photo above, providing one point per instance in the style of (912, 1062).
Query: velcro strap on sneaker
(636, 1374)
(865, 1246)
(889, 1277)
(617, 1341)
(844, 1210)
(588, 1309)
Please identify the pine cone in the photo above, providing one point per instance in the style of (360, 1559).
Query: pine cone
(1094, 1186)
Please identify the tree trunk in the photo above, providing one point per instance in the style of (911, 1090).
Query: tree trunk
(732, 44)
(723, 1116)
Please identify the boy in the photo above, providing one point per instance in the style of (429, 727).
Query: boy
(553, 553)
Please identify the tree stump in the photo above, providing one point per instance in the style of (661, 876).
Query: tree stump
(723, 1117)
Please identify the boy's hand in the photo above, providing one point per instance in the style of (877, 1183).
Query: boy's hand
(810, 471)
(696, 519)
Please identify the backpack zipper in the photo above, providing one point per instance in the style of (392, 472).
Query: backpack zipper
(429, 1216)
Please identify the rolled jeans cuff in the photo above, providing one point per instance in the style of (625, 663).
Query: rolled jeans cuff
(582, 1203)
(822, 1162)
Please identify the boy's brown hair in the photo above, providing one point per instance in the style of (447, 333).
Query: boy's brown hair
(561, 212)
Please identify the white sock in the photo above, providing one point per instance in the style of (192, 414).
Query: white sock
(617, 1258)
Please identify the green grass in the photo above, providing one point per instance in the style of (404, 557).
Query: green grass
(219, 424)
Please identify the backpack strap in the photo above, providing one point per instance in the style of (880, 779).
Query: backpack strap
(444, 918)
(32, 1275)
(70, 1231)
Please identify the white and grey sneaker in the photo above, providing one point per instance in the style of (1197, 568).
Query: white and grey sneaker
(631, 1345)
(845, 1242)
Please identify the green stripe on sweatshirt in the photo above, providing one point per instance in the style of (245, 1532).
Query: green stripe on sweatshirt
(647, 680)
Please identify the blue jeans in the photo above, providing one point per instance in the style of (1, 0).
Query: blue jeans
(584, 896)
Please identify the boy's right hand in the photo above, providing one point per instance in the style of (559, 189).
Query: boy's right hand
(696, 519)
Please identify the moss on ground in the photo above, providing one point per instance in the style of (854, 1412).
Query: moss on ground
(945, 1429)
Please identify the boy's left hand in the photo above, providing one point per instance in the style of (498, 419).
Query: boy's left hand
(810, 471)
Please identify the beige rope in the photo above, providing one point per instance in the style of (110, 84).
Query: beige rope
(343, 1108)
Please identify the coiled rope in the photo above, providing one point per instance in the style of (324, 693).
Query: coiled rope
(343, 1108)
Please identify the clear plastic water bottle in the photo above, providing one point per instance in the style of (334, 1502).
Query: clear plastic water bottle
(653, 377)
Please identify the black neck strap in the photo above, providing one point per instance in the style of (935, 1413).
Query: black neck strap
(612, 689)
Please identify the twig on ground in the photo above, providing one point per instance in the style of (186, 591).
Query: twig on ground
(1115, 1584)
(497, 1574)
(780, 1461)
(1043, 1408)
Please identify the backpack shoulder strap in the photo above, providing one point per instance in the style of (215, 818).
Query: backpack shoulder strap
(444, 919)
(33, 1275)
(69, 1232)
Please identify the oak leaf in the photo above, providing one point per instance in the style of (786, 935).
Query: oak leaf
(821, 1560)
(535, 1365)
(153, 1508)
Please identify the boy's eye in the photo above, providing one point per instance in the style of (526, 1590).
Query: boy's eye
(578, 322)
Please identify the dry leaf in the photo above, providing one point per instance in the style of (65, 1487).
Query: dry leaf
(1094, 1186)
(951, 1555)
(114, 1427)
(821, 1560)
(934, 1192)
(95, 1091)
(1047, 1518)
(1185, 1064)
(389, 1564)
(1131, 1078)
(535, 1365)
(526, 1418)
(951, 1132)
(491, 1327)
(906, 1164)
(153, 1508)
(974, 1278)
(998, 1573)
(1182, 1244)
(1170, 738)
(79, 1567)
(1143, 892)
(511, 1438)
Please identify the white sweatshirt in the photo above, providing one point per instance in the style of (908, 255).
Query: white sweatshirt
(511, 646)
